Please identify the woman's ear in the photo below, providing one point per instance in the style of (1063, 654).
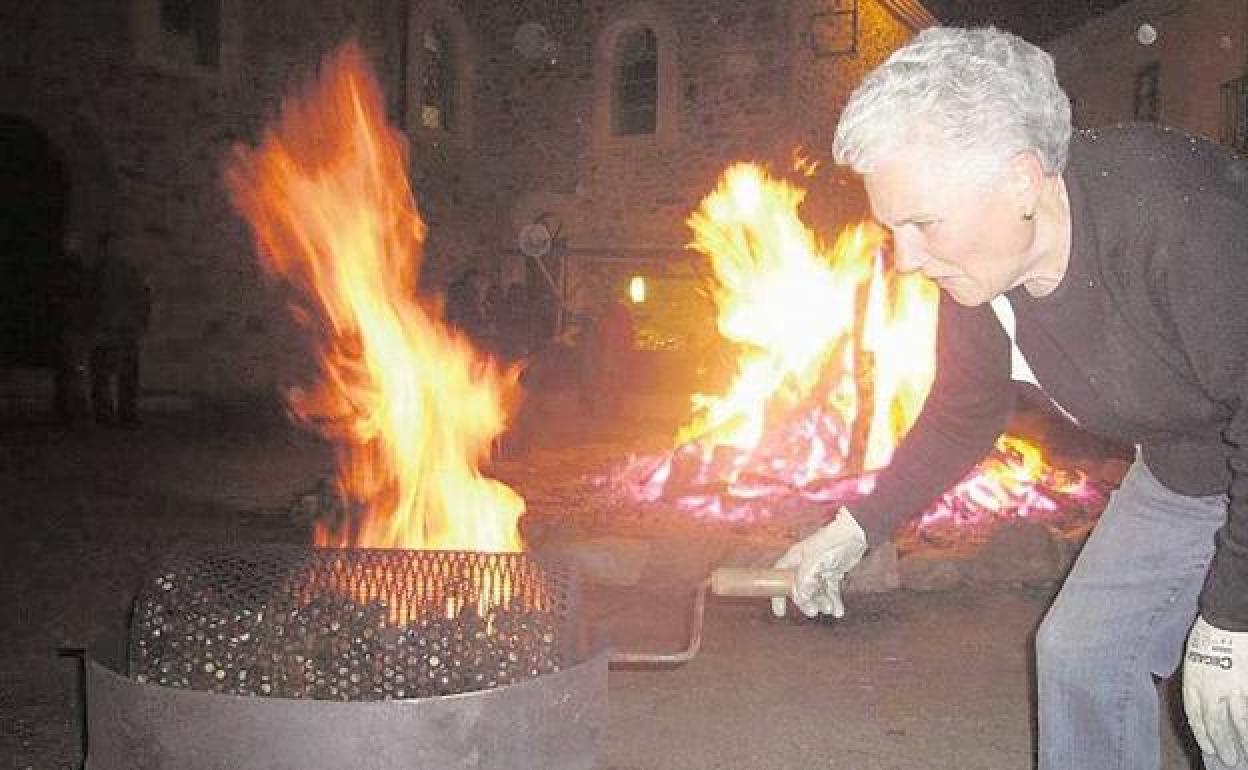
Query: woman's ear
(1026, 179)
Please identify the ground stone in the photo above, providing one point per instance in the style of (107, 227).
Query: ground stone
(933, 570)
(1021, 551)
(877, 573)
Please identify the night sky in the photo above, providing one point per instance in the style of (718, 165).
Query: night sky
(1035, 20)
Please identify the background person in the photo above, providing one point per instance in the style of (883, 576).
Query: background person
(610, 358)
(1110, 270)
(514, 323)
(70, 305)
(465, 299)
(121, 310)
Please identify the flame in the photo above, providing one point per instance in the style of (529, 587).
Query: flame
(835, 356)
(792, 306)
(1014, 481)
(803, 163)
(412, 405)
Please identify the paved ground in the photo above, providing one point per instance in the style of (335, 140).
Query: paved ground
(908, 681)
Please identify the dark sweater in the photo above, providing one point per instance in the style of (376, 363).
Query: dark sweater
(1145, 341)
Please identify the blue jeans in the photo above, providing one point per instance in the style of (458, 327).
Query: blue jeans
(1121, 619)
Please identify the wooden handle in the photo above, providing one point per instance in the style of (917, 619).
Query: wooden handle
(751, 582)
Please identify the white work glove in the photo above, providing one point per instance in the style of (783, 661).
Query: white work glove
(1215, 691)
(820, 562)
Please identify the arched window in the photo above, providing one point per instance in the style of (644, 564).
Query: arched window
(198, 38)
(438, 64)
(636, 85)
(438, 81)
(636, 79)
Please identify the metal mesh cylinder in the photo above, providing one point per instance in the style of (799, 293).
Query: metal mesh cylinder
(351, 624)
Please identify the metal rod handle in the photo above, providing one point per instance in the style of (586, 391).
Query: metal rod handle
(762, 582)
(671, 658)
(744, 582)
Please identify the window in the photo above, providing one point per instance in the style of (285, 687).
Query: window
(834, 30)
(190, 32)
(636, 79)
(1147, 93)
(437, 61)
(1235, 114)
(437, 106)
(187, 38)
(637, 83)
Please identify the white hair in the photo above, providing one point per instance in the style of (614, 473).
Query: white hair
(978, 96)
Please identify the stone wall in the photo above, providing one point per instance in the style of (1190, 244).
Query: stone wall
(748, 85)
(145, 142)
(1197, 46)
(159, 139)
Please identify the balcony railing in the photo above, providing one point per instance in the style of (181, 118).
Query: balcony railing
(1235, 114)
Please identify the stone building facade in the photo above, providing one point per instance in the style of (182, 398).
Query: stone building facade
(1180, 62)
(513, 111)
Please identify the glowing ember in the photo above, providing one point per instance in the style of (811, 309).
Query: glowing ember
(412, 406)
(1014, 481)
(835, 358)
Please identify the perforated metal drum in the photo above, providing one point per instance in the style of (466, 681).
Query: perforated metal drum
(351, 624)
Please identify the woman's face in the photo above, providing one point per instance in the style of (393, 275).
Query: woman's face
(969, 237)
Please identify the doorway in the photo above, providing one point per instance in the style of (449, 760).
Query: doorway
(33, 202)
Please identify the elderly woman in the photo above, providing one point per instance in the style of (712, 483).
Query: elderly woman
(1109, 269)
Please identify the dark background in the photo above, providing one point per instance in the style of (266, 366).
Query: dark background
(1035, 20)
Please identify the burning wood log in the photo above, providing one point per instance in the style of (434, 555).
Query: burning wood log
(864, 374)
(836, 355)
